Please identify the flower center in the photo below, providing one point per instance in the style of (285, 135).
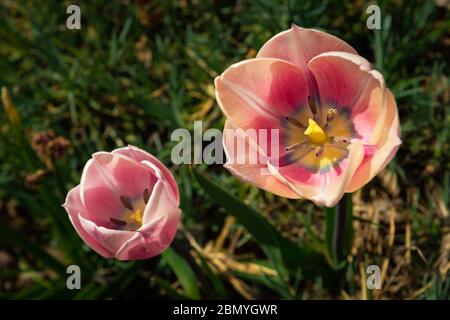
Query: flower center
(317, 138)
(315, 133)
(131, 218)
(136, 216)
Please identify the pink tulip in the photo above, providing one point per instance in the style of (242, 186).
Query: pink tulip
(126, 205)
(338, 123)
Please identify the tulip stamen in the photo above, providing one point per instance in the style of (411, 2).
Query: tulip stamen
(126, 203)
(118, 222)
(146, 195)
(337, 147)
(331, 114)
(318, 151)
(295, 146)
(296, 122)
(339, 139)
(289, 159)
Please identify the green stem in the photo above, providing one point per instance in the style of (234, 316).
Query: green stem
(340, 227)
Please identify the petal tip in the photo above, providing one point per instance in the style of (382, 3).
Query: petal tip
(132, 147)
(101, 155)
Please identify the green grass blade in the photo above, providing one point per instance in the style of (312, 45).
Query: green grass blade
(184, 273)
(281, 251)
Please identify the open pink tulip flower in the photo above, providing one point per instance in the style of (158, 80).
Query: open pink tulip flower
(126, 205)
(338, 123)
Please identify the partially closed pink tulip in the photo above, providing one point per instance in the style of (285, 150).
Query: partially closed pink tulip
(338, 123)
(126, 205)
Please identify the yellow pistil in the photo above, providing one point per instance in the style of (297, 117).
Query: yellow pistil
(315, 133)
(136, 216)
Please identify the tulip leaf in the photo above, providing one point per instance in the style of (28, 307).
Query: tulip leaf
(281, 251)
(184, 273)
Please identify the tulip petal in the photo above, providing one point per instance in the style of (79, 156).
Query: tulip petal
(90, 241)
(140, 155)
(299, 45)
(75, 209)
(385, 149)
(323, 187)
(347, 82)
(152, 239)
(73, 203)
(98, 196)
(128, 177)
(259, 93)
(254, 173)
(108, 238)
(159, 203)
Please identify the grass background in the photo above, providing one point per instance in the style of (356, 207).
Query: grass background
(136, 71)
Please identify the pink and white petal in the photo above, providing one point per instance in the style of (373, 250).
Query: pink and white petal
(299, 45)
(75, 208)
(253, 146)
(110, 239)
(128, 177)
(159, 204)
(301, 190)
(99, 197)
(90, 241)
(163, 229)
(259, 93)
(377, 157)
(334, 183)
(140, 155)
(253, 172)
(151, 240)
(138, 248)
(323, 187)
(347, 82)
(73, 203)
